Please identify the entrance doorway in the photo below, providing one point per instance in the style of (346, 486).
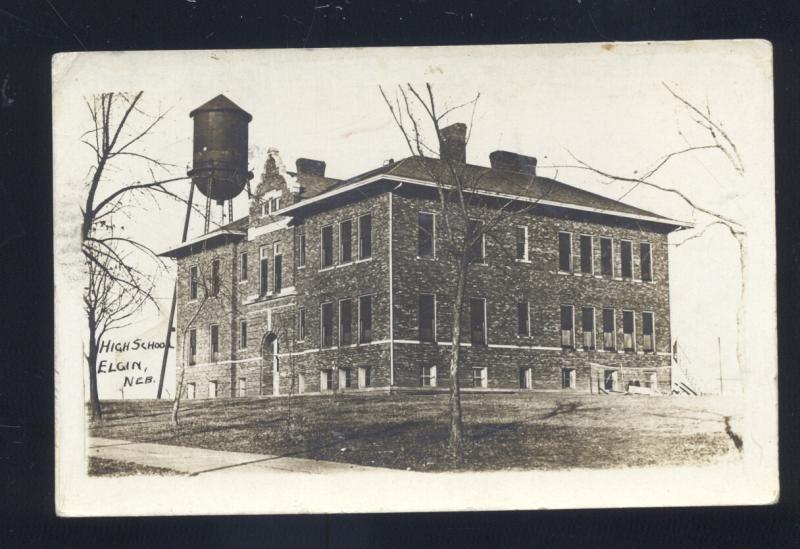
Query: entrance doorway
(610, 380)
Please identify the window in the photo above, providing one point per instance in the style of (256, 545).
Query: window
(345, 241)
(523, 319)
(522, 244)
(327, 246)
(214, 342)
(277, 262)
(345, 379)
(567, 327)
(301, 384)
(243, 335)
(212, 389)
(363, 377)
(609, 330)
(325, 380)
(479, 378)
(301, 324)
(475, 239)
(525, 378)
(568, 378)
(627, 259)
(428, 376)
(477, 321)
(345, 322)
(587, 262)
(264, 256)
(274, 204)
(265, 208)
(301, 255)
(192, 283)
(365, 236)
(648, 331)
(646, 258)
(425, 235)
(427, 317)
(215, 277)
(190, 391)
(628, 331)
(606, 257)
(365, 319)
(565, 252)
(243, 267)
(192, 346)
(327, 324)
(587, 317)
(241, 388)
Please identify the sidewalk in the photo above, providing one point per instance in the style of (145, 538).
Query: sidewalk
(196, 461)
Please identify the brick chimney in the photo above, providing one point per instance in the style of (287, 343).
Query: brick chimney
(309, 166)
(513, 162)
(453, 142)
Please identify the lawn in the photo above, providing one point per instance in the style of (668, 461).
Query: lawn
(406, 431)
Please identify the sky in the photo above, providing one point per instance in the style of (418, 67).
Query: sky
(605, 104)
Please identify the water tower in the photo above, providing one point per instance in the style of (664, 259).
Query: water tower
(219, 160)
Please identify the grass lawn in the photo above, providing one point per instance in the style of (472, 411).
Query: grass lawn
(503, 431)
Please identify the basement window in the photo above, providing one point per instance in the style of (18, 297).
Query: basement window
(568, 378)
(628, 322)
(325, 380)
(627, 259)
(241, 387)
(646, 258)
(190, 391)
(428, 376)
(426, 235)
(567, 327)
(525, 378)
(427, 317)
(364, 377)
(212, 389)
(565, 252)
(606, 257)
(327, 246)
(587, 261)
(479, 378)
(345, 378)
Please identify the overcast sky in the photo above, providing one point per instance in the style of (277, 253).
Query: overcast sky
(607, 105)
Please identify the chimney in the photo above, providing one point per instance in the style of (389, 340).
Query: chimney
(453, 142)
(513, 162)
(309, 166)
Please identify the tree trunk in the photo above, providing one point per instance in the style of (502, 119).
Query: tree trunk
(177, 403)
(456, 425)
(91, 359)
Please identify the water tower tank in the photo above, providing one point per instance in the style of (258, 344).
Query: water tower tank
(219, 166)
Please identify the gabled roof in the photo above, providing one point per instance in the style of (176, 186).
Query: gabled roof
(490, 181)
(234, 231)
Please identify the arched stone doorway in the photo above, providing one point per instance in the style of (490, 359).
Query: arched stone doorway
(270, 376)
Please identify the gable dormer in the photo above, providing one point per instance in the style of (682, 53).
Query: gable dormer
(276, 190)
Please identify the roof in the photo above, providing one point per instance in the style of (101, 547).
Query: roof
(490, 181)
(220, 103)
(236, 230)
(313, 185)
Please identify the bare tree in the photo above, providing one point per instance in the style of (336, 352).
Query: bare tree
(715, 140)
(468, 214)
(121, 268)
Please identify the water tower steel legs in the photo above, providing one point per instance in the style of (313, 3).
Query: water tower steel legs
(168, 337)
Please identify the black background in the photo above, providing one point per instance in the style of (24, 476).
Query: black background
(31, 31)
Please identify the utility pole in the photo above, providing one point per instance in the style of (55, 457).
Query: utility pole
(719, 353)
